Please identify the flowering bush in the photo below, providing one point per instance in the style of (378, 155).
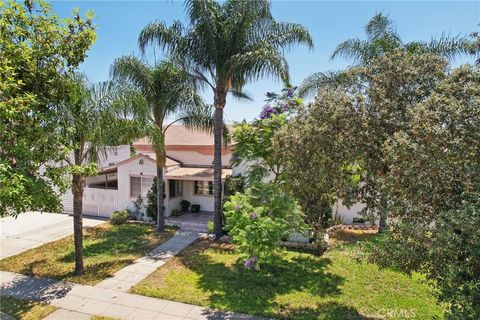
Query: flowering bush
(259, 218)
(282, 103)
(254, 140)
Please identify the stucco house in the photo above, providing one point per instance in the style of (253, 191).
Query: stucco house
(128, 171)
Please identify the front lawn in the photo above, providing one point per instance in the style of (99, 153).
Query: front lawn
(295, 286)
(107, 249)
(24, 309)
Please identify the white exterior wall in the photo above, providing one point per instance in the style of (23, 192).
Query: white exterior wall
(345, 213)
(171, 203)
(205, 201)
(114, 155)
(132, 168)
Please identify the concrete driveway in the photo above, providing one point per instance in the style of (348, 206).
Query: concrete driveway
(32, 229)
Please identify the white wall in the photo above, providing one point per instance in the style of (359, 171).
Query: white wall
(114, 155)
(132, 168)
(347, 214)
(172, 203)
(205, 201)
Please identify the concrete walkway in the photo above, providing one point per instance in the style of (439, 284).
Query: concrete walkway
(79, 302)
(33, 229)
(132, 274)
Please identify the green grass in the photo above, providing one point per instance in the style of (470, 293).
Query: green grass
(295, 286)
(24, 309)
(107, 249)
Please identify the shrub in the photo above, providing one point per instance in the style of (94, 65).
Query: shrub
(185, 205)
(195, 208)
(210, 227)
(119, 217)
(259, 218)
(175, 212)
(151, 208)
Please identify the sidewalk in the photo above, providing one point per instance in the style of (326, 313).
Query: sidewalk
(82, 302)
(132, 274)
(109, 298)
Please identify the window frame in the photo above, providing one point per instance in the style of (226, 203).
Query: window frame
(208, 188)
(178, 187)
(141, 184)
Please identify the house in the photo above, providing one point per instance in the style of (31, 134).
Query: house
(188, 174)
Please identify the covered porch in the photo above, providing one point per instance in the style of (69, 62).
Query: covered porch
(191, 221)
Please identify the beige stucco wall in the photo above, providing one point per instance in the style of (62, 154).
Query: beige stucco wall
(193, 158)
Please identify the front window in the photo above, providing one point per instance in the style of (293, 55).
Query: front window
(139, 186)
(175, 187)
(203, 187)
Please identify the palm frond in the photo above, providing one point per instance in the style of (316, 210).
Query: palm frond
(134, 71)
(447, 46)
(380, 26)
(262, 61)
(357, 50)
(323, 81)
(157, 33)
(240, 94)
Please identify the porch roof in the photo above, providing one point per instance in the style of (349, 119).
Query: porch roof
(189, 173)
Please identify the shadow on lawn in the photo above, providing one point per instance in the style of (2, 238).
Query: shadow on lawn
(232, 287)
(106, 250)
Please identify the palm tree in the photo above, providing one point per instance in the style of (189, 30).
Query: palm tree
(382, 38)
(226, 46)
(85, 117)
(167, 91)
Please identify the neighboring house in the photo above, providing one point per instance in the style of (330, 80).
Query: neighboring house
(188, 174)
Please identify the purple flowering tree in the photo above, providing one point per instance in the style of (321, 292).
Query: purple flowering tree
(254, 141)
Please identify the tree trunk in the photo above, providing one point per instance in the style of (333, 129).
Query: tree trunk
(160, 217)
(77, 190)
(382, 224)
(217, 164)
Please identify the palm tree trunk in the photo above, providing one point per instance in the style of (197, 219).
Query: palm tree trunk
(77, 190)
(160, 217)
(217, 165)
(160, 200)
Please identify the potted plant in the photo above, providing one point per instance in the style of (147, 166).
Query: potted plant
(195, 208)
(185, 205)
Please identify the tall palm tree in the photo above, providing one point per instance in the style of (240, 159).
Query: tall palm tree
(85, 118)
(381, 38)
(167, 91)
(225, 46)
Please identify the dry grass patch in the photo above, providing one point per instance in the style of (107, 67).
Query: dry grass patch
(107, 249)
(24, 309)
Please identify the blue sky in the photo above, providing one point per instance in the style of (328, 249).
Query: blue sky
(119, 23)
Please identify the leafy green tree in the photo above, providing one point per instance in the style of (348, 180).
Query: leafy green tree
(317, 147)
(259, 218)
(87, 122)
(254, 142)
(385, 90)
(382, 38)
(433, 187)
(38, 50)
(225, 46)
(167, 91)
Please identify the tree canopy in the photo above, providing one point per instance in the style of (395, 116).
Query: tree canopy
(38, 51)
